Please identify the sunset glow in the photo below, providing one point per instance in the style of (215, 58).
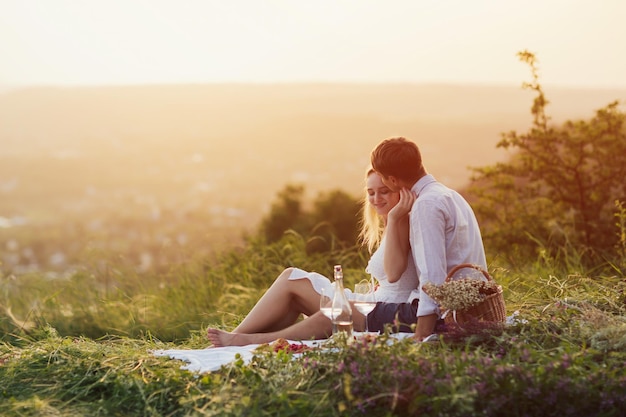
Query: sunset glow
(72, 42)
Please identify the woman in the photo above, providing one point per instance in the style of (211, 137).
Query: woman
(385, 224)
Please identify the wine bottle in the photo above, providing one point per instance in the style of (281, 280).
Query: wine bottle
(342, 320)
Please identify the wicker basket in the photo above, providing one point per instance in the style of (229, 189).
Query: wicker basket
(492, 309)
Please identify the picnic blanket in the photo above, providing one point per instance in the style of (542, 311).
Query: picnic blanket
(212, 358)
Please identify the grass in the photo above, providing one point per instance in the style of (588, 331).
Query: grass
(560, 363)
(77, 347)
(115, 300)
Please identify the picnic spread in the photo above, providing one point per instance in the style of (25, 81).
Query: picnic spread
(213, 358)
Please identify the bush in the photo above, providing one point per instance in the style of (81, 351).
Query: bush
(559, 188)
(331, 224)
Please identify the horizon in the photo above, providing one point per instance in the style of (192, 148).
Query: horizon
(519, 86)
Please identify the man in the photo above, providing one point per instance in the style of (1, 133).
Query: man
(443, 228)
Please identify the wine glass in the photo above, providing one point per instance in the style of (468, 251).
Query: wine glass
(326, 305)
(364, 299)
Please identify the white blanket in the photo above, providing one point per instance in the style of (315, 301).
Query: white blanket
(212, 359)
(207, 360)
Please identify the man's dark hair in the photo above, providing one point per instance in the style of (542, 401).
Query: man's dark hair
(400, 158)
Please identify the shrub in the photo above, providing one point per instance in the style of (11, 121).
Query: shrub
(560, 186)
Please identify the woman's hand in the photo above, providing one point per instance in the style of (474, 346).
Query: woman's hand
(403, 208)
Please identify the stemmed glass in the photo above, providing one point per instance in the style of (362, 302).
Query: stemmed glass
(364, 299)
(326, 305)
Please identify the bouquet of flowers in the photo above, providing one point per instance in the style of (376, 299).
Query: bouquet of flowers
(460, 294)
(468, 298)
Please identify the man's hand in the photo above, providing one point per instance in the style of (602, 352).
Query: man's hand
(425, 326)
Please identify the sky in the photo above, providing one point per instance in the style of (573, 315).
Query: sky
(579, 43)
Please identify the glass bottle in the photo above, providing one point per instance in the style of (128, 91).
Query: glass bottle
(342, 317)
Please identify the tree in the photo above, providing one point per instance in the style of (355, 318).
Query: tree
(560, 186)
(285, 213)
(335, 220)
(331, 224)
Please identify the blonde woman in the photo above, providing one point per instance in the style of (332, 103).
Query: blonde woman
(385, 227)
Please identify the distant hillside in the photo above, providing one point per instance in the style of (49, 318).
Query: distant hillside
(149, 177)
(229, 148)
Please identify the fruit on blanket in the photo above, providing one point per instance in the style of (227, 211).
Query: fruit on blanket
(284, 345)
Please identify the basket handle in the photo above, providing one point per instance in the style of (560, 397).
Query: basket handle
(473, 266)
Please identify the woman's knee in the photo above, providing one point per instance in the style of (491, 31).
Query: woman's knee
(284, 276)
(286, 272)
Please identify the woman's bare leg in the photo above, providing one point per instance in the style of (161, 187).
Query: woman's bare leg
(281, 305)
(317, 326)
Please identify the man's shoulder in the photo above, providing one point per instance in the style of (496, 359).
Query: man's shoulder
(441, 198)
(436, 190)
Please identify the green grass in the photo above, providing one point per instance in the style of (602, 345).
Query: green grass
(565, 361)
(120, 301)
(79, 347)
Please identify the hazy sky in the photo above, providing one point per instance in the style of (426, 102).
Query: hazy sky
(71, 42)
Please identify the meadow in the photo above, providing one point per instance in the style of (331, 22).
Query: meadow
(564, 356)
(126, 231)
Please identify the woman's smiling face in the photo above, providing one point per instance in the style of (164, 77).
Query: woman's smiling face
(380, 196)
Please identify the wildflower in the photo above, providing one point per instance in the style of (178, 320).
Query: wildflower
(460, 294)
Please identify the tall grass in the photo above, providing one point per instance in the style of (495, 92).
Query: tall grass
(567, 360)
(120, 301)
(82, 345)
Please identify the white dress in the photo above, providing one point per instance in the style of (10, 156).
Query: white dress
(396, 292)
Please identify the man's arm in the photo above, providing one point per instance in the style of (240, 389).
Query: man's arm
(428, 242)
(425, 326)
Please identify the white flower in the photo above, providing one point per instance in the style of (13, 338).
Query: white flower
(460, 294)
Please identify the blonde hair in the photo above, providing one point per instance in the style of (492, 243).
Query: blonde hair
(371, 224)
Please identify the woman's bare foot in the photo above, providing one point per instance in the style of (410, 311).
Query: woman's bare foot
(221, 338)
